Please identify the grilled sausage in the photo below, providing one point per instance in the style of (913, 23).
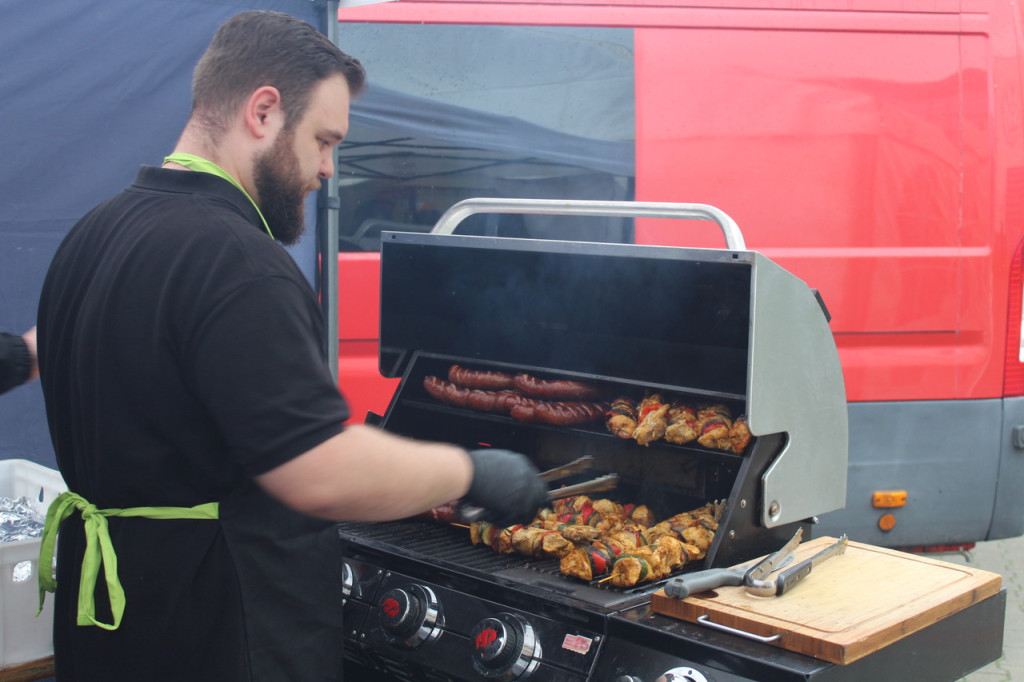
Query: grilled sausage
(557, 413)
(474, 399)
(556, 390)
(520, 407)
(446, 392)
(524, 411)
(568, 413)
(488, 381)
(492, 401)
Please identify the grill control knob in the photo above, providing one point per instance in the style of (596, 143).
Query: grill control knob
(682, 675)
(348, 581)
(505, 647)
(409, 616)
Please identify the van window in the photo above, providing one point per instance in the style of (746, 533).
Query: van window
(453, 112)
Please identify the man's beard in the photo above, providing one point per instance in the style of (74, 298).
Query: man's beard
(281, 189)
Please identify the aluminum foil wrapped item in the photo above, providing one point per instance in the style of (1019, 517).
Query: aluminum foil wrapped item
(19, 520)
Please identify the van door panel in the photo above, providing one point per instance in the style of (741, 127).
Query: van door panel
(839, 155)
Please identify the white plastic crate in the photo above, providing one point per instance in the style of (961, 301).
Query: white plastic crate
(23, 636)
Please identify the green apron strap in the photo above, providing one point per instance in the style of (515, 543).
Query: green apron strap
(198, 163)
(99, 550)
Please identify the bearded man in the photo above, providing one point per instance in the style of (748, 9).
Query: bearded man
(192, 409)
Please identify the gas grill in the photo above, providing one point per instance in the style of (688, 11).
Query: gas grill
(726, 326)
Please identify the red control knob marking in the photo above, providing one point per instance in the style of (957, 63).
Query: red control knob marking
(486, 638)
(390, 607)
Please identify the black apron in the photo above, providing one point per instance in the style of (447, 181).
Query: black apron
(254, 596)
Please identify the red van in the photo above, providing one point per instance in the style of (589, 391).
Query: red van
(877, 153)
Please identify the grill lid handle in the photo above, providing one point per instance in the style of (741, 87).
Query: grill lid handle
(622, 209)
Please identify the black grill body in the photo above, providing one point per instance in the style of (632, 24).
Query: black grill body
(706, 325)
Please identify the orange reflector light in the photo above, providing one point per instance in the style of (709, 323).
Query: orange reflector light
(886, 522)
(886, 499)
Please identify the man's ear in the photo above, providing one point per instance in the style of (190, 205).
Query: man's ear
(263, 112)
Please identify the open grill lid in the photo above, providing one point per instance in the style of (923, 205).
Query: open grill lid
(726, 324)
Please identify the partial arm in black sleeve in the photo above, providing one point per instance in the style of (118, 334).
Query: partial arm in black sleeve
(16, 363)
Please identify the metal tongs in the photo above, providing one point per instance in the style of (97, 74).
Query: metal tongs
(594, 485)
(469, 514)
(755, 579)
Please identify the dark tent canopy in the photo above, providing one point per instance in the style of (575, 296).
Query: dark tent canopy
(89, 90)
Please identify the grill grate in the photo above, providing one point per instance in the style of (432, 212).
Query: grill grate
(439, 542)
(449, 545)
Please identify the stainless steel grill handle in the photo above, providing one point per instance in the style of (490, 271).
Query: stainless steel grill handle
(706, 621)
(622, 209)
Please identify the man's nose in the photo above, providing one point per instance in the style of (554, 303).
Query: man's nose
(327, 164)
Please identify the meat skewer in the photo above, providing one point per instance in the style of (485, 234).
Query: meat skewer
(739, 435)
(623, 553)
(682, 424)
(651, 424)
(713, 423)
(587, 563)
(621, 417)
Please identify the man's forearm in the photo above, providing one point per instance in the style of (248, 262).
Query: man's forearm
(364, 474)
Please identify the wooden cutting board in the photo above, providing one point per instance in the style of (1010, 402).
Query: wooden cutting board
(848, 606)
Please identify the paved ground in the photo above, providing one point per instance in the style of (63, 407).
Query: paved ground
(1005, 557)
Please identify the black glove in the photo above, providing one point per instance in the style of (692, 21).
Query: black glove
(507, 485)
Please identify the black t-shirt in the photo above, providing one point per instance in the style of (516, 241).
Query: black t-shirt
(181, 354)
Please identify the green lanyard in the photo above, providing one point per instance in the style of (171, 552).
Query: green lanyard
(197, 163)
(97, 533)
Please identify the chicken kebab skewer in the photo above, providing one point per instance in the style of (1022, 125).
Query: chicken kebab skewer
(675, 421)
(609, 544)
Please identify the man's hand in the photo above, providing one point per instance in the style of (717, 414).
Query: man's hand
(507, 485)
(29, 338)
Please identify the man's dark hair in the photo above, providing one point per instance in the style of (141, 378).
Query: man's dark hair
(258, 48)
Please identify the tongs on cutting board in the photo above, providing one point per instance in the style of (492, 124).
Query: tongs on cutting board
(469, 514)
(755, 579)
